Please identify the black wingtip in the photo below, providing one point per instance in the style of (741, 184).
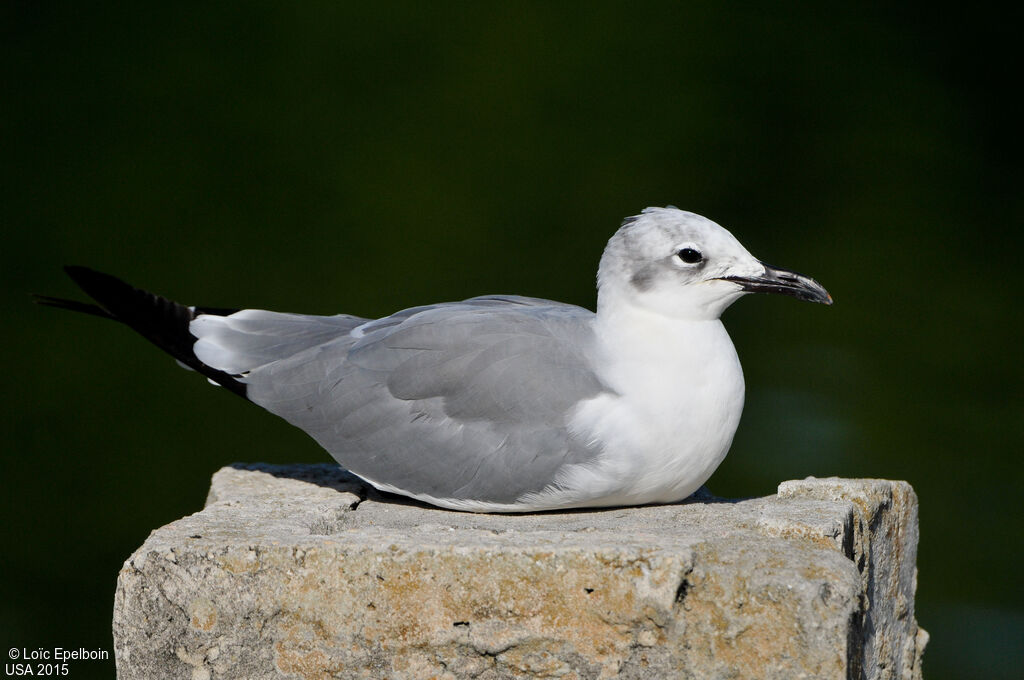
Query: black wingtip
(91, 282)
(163, 322)
(111, 293)
(78, 273)
(71, 305)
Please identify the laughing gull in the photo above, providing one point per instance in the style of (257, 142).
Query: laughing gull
(502, 403)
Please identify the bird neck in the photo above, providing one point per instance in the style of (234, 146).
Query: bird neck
(635, 333)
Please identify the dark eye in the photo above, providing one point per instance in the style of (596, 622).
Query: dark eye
(690, 256)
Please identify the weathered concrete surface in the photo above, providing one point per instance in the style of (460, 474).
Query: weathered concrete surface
(301, 572)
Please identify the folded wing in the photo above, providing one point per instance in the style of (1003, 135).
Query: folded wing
(463, 404)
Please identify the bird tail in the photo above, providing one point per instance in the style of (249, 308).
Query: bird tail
(161, 321)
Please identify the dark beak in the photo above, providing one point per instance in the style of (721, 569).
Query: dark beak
(775, 280)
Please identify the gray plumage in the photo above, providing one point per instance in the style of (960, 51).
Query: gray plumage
(465, 400)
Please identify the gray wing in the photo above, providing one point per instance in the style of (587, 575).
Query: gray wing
(251, 338)
(463, 401)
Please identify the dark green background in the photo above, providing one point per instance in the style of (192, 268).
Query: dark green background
(332, 157)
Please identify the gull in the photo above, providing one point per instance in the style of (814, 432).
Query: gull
(501, 403)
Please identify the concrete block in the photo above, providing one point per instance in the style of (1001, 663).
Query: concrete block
(302, 572)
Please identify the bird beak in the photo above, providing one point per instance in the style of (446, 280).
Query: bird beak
(785, 282)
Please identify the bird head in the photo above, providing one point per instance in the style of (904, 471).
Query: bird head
(678, 264)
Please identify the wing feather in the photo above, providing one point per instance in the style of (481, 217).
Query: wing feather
(464, 401)
(251, 338)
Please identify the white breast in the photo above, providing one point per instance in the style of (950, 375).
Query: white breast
(678, 398)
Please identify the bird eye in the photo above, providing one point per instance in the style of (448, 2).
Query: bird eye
(690, 256)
